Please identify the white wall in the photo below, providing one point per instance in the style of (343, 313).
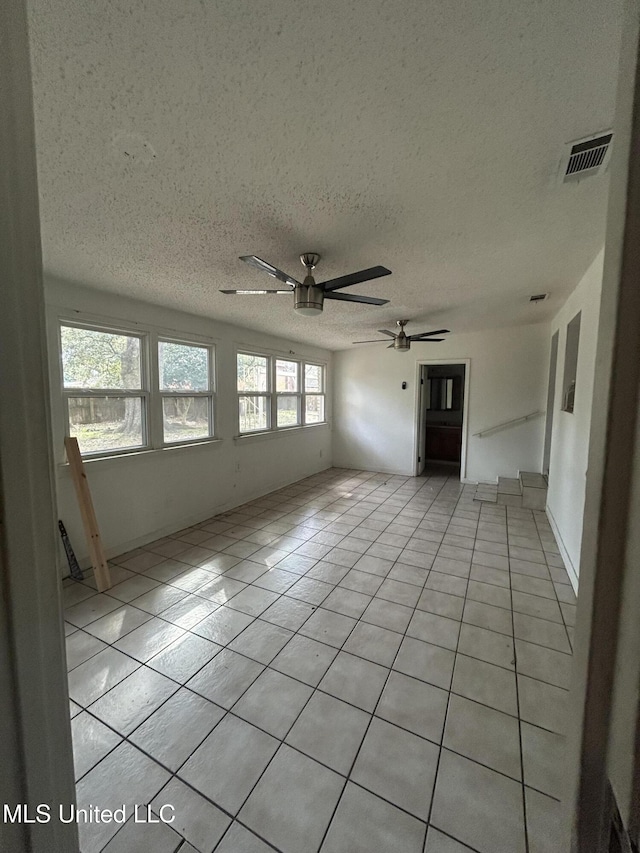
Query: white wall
(376, 421)
(570, 436)
(139, 497)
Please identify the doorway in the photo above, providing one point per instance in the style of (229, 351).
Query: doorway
(441, 424)
(551, 395)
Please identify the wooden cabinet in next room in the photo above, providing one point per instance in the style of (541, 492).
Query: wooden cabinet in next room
(444, 442)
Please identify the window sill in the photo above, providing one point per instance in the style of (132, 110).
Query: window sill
(268, 434)
(147, 453)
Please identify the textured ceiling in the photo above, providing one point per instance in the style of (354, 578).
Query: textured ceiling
(424, 135)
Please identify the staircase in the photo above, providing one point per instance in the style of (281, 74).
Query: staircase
(528, 490)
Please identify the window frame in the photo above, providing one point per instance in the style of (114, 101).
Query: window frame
(296, 395)
(267, 394)
(322, 393)
(150, 394)
(143, 393)
(274, 395)
(210, 394)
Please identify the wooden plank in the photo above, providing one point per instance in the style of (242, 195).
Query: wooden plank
(96, 551)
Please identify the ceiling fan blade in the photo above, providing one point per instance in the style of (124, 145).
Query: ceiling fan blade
(391, 346)
(259, 264)
(426, 340)
(256, 292)
(428, 334)
(351, 297)
(354, 278)
(387, 332)
(377, 341)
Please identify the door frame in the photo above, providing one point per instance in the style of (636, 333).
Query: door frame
(422, 422)
(420, 363)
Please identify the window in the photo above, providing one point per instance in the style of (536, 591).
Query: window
(116, 401)
(254, 401)
(104, 388)
(313, 393)
(185, 386)
(288, 393)
(277, 393)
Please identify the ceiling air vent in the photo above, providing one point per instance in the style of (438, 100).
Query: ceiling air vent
(538, 297)
(585, 157)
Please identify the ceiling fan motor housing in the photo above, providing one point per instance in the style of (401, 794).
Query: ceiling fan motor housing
(402, 342)
(308, 297)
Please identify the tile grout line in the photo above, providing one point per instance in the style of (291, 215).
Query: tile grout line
(444, 726)
(517, 686)
(555, 591)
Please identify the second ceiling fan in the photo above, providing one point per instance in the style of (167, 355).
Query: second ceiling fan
(402, 341)
(309, 295)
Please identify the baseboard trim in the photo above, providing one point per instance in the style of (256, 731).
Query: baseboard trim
(571, 569)
(392, 472)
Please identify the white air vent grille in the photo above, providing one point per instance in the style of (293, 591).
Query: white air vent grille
(586, 157)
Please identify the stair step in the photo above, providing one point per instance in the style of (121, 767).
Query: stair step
(528, 490)
(534, 498)
(533, 480)
(510, 500)
(509, 486)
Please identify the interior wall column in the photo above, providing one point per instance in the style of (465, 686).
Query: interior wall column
(35, 738)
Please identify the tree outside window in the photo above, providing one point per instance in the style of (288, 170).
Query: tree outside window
(103, 383)
(185, 384)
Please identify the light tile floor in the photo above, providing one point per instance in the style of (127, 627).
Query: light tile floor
(357, 663)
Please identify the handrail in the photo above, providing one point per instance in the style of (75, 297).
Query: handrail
(508, 424)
